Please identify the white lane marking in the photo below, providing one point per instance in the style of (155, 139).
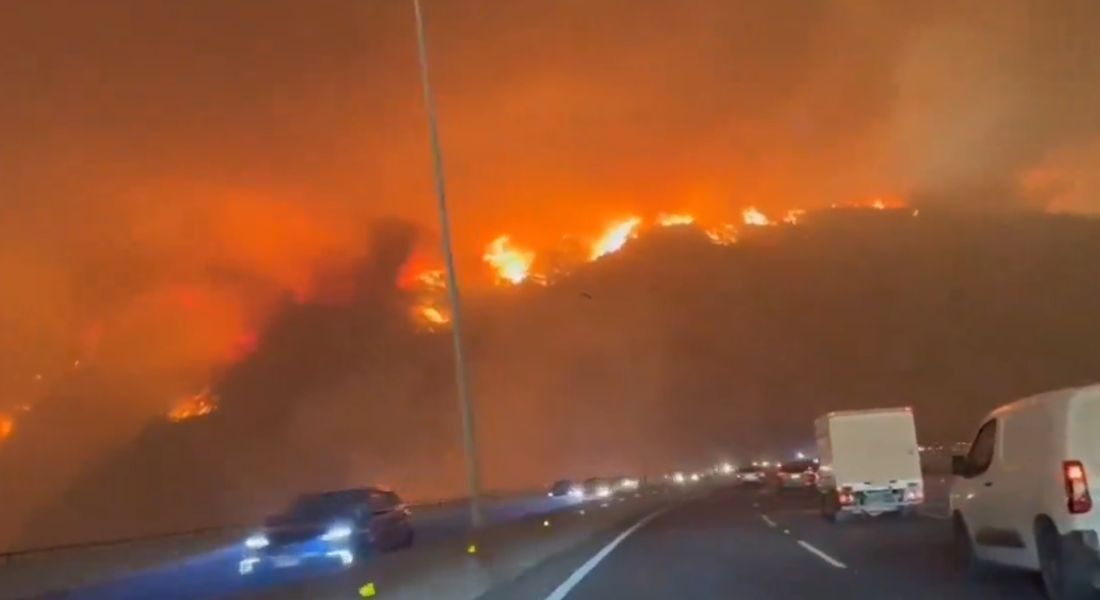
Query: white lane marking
(825, 557)
(571, 582)
(768, 520)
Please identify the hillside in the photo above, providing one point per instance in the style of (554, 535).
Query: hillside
(672, 350)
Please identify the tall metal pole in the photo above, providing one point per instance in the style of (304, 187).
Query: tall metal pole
(465, 403)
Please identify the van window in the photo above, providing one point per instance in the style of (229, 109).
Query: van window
(981, 451)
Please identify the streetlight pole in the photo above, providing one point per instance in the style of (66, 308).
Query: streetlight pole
(465, 403)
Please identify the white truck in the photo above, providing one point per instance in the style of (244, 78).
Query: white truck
(870, 463)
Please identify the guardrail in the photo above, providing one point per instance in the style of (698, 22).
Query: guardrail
(34, 571)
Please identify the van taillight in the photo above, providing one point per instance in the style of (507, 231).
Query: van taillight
(1078, 499)
(846, 497)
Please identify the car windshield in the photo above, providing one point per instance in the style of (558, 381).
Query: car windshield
(325, 505)
(561, 486)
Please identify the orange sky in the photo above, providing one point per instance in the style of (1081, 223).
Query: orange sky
(232, 147)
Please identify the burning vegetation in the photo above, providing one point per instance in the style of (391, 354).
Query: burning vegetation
(198, 405)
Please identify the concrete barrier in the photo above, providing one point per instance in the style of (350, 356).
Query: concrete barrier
(50, 571)
(53, 571)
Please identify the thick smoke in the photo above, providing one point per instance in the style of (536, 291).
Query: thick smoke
(172, 174)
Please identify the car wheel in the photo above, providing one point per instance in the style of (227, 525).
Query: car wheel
(1063, 578)
(827, 511)
(965, 559)
(408, 540)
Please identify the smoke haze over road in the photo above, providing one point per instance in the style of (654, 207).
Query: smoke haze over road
(219, 195)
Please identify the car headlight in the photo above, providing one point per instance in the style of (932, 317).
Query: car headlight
(257, 541)
(340, 531)
(576, 492)
(603, 491)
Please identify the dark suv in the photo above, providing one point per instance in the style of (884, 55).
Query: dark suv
(335, 526)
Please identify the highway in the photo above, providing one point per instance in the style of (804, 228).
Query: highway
(749, 544)
(700, 541)
(214, 574)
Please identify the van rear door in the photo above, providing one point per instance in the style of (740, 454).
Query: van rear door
(1084, 437)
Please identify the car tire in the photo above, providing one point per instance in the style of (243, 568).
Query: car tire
(408, 540)
(827, 511)
(1064, 578)
(967, 562)
(830, 509)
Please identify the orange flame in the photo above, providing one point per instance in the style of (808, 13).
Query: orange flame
(199, 405)
(672, 220)
(723, 235)
(754, 217)
(7, 425)
(434, 279)
(511, 264)
(793, 216)
(430, 317)
(615, 237)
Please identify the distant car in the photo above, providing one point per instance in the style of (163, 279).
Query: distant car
(799, 474)
(333, 526)
(752, 475)
(565, 487)
(624, 485)
(1021, 496)
(598, 487)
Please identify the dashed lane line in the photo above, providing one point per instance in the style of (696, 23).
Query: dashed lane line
(768, 520)
(825, 557)
(571, 582)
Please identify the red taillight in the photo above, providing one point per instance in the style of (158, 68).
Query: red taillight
(846, 497)
(1078, 499)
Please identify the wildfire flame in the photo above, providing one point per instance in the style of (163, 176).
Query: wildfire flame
(430, 318)
(723, 235)
(434, 279)
(615, 237)
(793, 216)
(7, 425)
(201, 404)
(672, 220)
(754, 217)
(511, 264)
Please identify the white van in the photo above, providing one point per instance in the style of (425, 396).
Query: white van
(1022, 498)
(870, 463)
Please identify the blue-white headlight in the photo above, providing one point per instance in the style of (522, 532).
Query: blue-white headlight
(336, 533)
(257, 541)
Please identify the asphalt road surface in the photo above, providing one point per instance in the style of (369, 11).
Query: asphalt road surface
(214, 575)
(746, 544)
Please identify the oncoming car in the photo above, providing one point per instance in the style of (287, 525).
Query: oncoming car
(333, 526)
(565, 488)
(598, 487)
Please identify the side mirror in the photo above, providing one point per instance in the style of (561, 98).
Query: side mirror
(958, 465)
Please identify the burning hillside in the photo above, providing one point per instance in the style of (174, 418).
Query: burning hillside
(690, 348)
